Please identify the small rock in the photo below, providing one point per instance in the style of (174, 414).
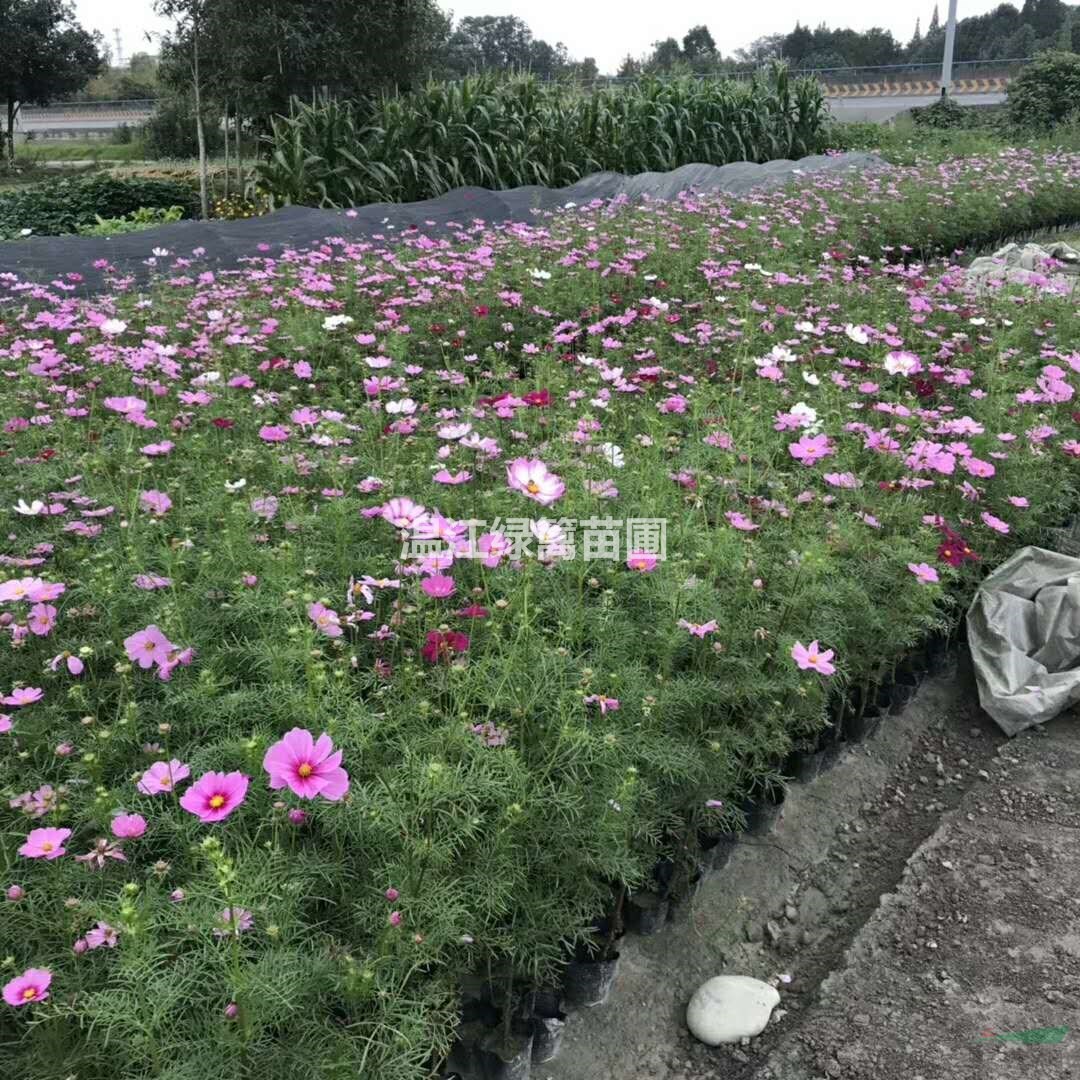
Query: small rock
(772, 928)
(791, 912)
(728, 1008)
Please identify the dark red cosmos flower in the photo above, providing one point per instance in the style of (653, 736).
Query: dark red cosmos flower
(223, 422)
(925, 388)
(538, 398)
(481, 310)
(474, 611)
(444, 647)
(956, 554)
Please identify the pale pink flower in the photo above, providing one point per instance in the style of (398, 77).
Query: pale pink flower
(45, 844)
(531, 478)
(605, 704)
(813, 658)
(156, 502)
(148, 647)
(128, 826)
(926, 574)
(699, 630)
(644, 562)
(326, 620)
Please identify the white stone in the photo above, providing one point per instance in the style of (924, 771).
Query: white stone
(729, 1008)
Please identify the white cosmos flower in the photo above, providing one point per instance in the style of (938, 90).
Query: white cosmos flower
(25, 232)
(539, 275)
(805, 327)
(160, 252)
(112, 327)
(613, 455)
(809, 415)
(335, 322)
(811, 378)
(857, 334)
(206, 378)
(781, 354)
(233, 486)
(35, 508)
(406, 407)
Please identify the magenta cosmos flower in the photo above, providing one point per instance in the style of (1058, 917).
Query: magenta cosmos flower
(531, 478)
(605, 703)
(644, 562)
(214, 796)
(163, 776)
(128, 826)
(813, 658)
(698, 629)
(148, 647)
(45, 843)
(438, 586)
(32, 985)
(309, 767)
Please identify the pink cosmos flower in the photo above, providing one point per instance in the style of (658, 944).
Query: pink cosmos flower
(23, 695)
(698, 629)
(163, 777)
(994, 523)
(150, 582)
(530, 477)
(45, 844)
(326, 621)
(740, 522)
(42, 619)
(926, 574)
(32, 985)
(148, 647)
(810, 449)
(214, 796)
(493, 548)
(159, 449)
(308, 767)
(444, 476)
(438, 586)
(606, 704)
(155, 502)
(5, 723)
(128, 826)
(273, 433)
(644, 562)
(233, 921)
(103, 850)
(74, 665)
(403, 513)
(812, 658)
(103, 935)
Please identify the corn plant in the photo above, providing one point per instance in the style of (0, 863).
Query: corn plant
(508, 132)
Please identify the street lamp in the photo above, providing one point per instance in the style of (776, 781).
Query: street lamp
(950, 44)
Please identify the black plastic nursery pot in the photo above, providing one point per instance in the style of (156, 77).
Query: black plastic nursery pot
(646, 912)
(507, 1056)
(547, 1037)
(861, 725)
(716, 849)
(762, 813)
(588, 983)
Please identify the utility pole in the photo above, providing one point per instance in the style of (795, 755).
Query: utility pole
(950, 45)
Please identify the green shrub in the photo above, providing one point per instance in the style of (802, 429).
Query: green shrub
(500, 133)
(170, 131)
(1046, 92)
(65, 206)
(946, 112)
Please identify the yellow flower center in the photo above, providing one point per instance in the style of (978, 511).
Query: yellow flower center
(29, 993)
(217, 802)
(812, 657)
(166, 781)
(47, 846)
(532, 487)
(305, 770)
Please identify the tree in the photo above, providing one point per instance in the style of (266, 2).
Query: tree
(666, 54)
(763, 49)
(698, 44)
(916, 38)
(799, 43)
(630, 68)
(44, 53)
(935, 21)
(187, 49)
(490, 43)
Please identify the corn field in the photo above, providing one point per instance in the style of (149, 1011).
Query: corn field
(500, 133)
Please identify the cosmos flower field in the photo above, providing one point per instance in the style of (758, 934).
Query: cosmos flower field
(336, 661)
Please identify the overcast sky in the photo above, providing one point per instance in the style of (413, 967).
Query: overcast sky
(609, 29)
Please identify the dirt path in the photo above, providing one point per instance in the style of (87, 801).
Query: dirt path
(796, 901)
